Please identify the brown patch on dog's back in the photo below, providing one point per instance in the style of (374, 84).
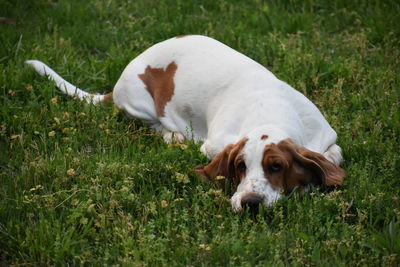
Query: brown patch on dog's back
(264, 136)
(160, 84)
(182, 36)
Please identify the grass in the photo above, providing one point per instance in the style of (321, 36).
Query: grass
(83, 185)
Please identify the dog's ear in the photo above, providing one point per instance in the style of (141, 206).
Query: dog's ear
(219, 166)
(328, 173)
(222, 165)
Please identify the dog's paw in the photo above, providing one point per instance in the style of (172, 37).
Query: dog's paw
(334, 154)
(206, 149)
(173, 137)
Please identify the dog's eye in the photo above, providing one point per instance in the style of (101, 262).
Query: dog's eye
(275, 167)
(241, 166)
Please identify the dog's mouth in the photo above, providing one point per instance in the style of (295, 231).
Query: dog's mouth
(251, 201)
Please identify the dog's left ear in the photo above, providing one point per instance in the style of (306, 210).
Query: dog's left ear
(328, 173)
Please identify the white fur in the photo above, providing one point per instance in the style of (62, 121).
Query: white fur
(62, 84)
(220, 96)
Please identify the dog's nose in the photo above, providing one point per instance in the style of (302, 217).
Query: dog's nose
(251, 201)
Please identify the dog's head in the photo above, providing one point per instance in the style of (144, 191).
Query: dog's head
(264, 171)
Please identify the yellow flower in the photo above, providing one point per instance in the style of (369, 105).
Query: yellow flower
(164, 203)
(205, 247)
(71, 172)
(182, 178)
(57, 120)
(65, 116)
(54, 100)
(29, 87)
(183, 146)
(84, 220)
(220, 177)
(15, 136)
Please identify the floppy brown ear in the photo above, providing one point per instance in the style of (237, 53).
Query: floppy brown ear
(222, 165)
(329, 173)
(219, 166)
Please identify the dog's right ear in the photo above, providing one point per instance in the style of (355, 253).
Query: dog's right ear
(223, 164)
(219, 166)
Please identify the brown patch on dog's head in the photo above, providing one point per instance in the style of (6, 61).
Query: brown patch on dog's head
(288, 166)
(160, 84)
(228, 163)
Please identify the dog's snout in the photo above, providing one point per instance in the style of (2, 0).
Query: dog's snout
(251, 201)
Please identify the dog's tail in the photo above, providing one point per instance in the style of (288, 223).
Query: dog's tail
(65, 86)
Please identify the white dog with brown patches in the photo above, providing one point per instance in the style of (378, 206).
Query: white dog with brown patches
(257, 130)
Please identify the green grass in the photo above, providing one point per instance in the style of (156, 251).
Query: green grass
(83, 185)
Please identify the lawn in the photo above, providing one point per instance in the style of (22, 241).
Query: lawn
(84, 185)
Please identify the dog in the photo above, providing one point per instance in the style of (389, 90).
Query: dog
(259, 132)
